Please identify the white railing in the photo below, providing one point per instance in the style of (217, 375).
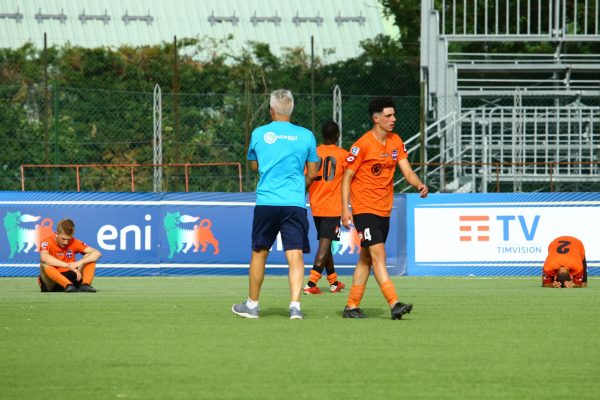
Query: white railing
(565, 20)
(478, 148)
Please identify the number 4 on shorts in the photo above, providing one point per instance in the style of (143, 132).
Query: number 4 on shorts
(367, 234)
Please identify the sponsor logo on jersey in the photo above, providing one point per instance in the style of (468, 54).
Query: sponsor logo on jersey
(350, 159)
(270, 137)
(376, 169)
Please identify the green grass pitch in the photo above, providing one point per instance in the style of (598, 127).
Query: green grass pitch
(176, 338)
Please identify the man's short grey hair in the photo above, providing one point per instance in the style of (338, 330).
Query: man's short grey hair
(282, 102)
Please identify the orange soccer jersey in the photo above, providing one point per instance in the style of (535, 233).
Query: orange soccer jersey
(64, 254)
(564, 251)
(374, 164)
(325, 193)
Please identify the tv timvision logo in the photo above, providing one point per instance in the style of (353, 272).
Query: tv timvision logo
(479, 227)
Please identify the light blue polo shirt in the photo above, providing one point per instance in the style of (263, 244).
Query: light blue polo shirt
(282, 149)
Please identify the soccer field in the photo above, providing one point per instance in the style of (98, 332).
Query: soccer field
(176, 338)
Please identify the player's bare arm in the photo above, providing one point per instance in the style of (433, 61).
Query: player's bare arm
(347, 219)
(90, 255)
(253, 165)
(312, 169)
(412, 178)
(48, 260)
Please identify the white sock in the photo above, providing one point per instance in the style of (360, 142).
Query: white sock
(295, 304)
(251, 303)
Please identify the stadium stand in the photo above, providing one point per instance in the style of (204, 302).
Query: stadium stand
(510, 119)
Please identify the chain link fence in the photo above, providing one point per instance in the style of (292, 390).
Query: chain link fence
(92, 126)
(97, 108)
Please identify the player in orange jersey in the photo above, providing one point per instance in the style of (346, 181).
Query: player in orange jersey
(58, 269)
(326, 207)
(368, 184)
(565, 265)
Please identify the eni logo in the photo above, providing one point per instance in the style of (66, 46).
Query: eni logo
(270, 137)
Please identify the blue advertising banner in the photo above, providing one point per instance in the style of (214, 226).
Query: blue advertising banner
(160, 233)
(209, 233)
(497, 234)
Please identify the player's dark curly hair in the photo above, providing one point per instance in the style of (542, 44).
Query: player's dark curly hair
(563, 276)
(330, 131)
(377, 104)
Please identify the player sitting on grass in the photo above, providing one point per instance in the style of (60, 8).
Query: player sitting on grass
(58, 269)
(565, 265)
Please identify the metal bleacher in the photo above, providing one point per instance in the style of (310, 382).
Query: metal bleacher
(515, 121)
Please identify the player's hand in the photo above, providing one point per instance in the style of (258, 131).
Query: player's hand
(556, 284)
(569, 284)
(423, 190)
(347, 220)
(73, 267)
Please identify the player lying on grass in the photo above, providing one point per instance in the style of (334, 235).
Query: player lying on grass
(59, 271)
(565, 265)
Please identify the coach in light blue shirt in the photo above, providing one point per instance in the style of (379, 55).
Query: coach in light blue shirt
(284, 149)
(280, 151)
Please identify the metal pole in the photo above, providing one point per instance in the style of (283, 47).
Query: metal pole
(312, 83)
(187, 178)
(422, 127)
(46, 104)
(337, 110)
(56, 121)
(157, 139)
(78, 178)
(247, 117)
(22, 178)
(177, 156)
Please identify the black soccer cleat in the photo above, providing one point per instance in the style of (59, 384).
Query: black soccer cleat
(71, 289)
(87, 288)
(400, 309)
(353, 313)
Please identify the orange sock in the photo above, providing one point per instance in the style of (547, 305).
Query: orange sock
(88, 273)
(389, 292)
(332, 278)
(314, 276)
(56, 276)
(355, 296)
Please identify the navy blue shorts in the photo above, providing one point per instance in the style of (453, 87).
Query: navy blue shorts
(291, 221)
